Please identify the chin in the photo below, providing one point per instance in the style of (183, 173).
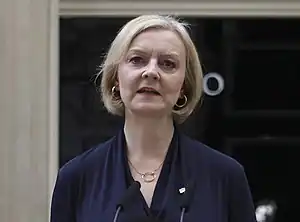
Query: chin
(149, 107)
(149, 111)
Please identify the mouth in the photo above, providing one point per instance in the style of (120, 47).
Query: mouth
(148, 90)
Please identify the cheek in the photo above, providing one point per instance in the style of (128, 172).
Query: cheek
(123, 76)
(127, 81)
(178, 85)
(175, 84)
(172, 91)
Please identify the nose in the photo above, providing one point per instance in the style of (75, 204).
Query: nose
(151, 70)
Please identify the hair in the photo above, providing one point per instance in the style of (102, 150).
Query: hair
(192, 86)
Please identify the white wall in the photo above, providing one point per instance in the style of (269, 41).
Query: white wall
(28, 108)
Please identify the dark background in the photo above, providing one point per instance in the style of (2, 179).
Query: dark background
(256, 119)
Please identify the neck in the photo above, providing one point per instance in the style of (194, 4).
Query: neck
(148, 138)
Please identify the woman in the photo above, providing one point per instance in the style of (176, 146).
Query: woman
(152, 76)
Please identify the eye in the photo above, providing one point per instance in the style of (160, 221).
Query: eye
(168, 64)
(136, 60)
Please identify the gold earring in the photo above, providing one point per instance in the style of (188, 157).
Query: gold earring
(183, 104)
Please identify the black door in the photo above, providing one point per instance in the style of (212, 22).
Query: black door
(255, 118)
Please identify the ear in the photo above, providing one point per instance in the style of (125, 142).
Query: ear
(116, 84)
(183, 88)
(181, 92)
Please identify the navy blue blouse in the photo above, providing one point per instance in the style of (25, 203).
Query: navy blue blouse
(89, 187)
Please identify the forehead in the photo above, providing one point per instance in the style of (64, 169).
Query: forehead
(159, 41)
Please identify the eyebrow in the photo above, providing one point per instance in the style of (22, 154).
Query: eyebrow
(136, 50)
(141, 51)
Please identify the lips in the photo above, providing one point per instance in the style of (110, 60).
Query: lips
(148, 90)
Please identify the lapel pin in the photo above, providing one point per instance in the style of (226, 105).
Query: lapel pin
(182, 190)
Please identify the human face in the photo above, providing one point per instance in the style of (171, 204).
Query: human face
(156, 62)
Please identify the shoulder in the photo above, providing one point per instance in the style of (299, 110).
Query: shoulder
(85, 161)
(211, 159)
(68, 186)
(225, 178)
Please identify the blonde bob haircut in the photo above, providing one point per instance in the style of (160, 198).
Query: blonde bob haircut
(192, 86)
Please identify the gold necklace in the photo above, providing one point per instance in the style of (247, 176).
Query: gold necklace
(147, 177)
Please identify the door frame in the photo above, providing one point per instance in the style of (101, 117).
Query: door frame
(204, 8)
